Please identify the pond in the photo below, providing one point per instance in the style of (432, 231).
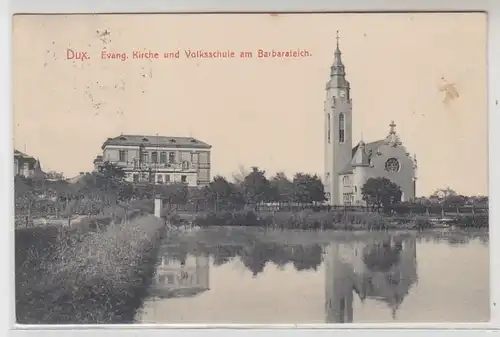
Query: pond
(256, 276)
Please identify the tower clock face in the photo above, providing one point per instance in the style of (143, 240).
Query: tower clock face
(342, 93)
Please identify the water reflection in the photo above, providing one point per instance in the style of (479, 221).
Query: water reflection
(454, 238)
(337, 278)
(181, 276)
(383, 270)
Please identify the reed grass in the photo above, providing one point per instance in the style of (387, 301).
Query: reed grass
(325, 220)
(90, 277)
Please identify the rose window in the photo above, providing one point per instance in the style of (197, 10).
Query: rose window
(392, 165)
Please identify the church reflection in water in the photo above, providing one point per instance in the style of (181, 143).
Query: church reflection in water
(383, 270)
(181, 276)
(375, 269)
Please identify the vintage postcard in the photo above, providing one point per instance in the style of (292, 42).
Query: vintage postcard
(251, 168)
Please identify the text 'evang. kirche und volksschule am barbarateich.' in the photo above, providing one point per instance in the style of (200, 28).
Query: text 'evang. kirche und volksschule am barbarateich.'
(195, 54)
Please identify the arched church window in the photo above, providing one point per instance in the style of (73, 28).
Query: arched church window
(341, 128)
(392, 165)
(329, 124)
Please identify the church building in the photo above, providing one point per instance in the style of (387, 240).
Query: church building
(347, 168)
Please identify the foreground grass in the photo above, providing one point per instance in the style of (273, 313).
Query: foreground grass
(91, 277)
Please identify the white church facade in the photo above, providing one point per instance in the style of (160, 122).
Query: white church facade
(347, 168)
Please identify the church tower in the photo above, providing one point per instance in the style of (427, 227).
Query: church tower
(338, 127)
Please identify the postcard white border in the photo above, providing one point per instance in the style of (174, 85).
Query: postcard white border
(492, 7)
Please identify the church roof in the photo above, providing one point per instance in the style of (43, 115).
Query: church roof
(371, 147)
(18, 154)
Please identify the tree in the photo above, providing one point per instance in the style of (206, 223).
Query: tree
(126, 192)
(53, 175)
(109, 176)
(443, 193)
(174, 194)
(480, 201)
(239, 177)
(308, 189)
(256, 187)
(381, 192)
(382, 256)
(222, 193)
(281, 188)
(456, 200)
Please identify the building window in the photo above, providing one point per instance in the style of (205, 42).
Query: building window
(159, 179)
(161, 279)
(145, 157)
(170, 279)
(183, 178)
(136, 177)
(345, 180)
(163, 157)
(341, 128)
(194, 157)
(154, 157)
(328, 128)
(171, 157)
(342, 311)
(122, 156)
(167, 178)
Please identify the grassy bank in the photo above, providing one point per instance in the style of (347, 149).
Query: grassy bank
(66, 276)
(339, 220)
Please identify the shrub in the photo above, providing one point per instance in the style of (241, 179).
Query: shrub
(92, 277)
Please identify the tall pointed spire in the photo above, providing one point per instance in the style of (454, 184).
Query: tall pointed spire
(337, 68)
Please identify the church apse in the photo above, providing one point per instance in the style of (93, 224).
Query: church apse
(383, 270)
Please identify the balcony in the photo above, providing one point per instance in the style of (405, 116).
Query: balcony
(137, 165)
(179, 167)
